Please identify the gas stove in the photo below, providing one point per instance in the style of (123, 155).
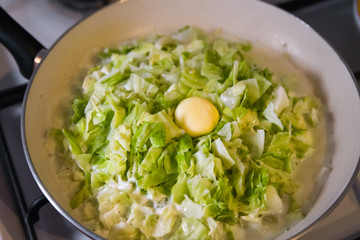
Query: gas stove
(25, 212)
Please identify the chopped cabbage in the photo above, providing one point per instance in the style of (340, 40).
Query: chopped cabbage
(146, 178)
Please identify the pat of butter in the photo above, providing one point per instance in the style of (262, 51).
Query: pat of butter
(197, 116)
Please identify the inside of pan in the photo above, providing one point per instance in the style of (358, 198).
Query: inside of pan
(59, 75)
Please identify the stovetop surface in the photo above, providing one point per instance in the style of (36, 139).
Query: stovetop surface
(47, 20)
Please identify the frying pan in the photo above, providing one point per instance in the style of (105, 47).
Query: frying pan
(53, 81)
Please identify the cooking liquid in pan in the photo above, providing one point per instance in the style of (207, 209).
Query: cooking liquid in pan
(291, 76)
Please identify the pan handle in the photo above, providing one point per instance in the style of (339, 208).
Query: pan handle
(19, 42)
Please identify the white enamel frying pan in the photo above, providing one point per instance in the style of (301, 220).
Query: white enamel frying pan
(58, 74)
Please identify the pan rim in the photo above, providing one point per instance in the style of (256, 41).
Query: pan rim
(91, 234)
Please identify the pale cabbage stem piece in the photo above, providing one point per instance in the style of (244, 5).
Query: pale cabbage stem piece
(197, 116)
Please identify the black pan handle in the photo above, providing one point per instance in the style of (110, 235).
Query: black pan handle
(19, 42)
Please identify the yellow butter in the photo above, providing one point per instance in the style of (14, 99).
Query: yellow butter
(197, 116)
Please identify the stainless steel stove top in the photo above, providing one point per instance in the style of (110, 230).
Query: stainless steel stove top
(47, 20)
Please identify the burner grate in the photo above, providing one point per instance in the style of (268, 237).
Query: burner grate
(28, 215)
